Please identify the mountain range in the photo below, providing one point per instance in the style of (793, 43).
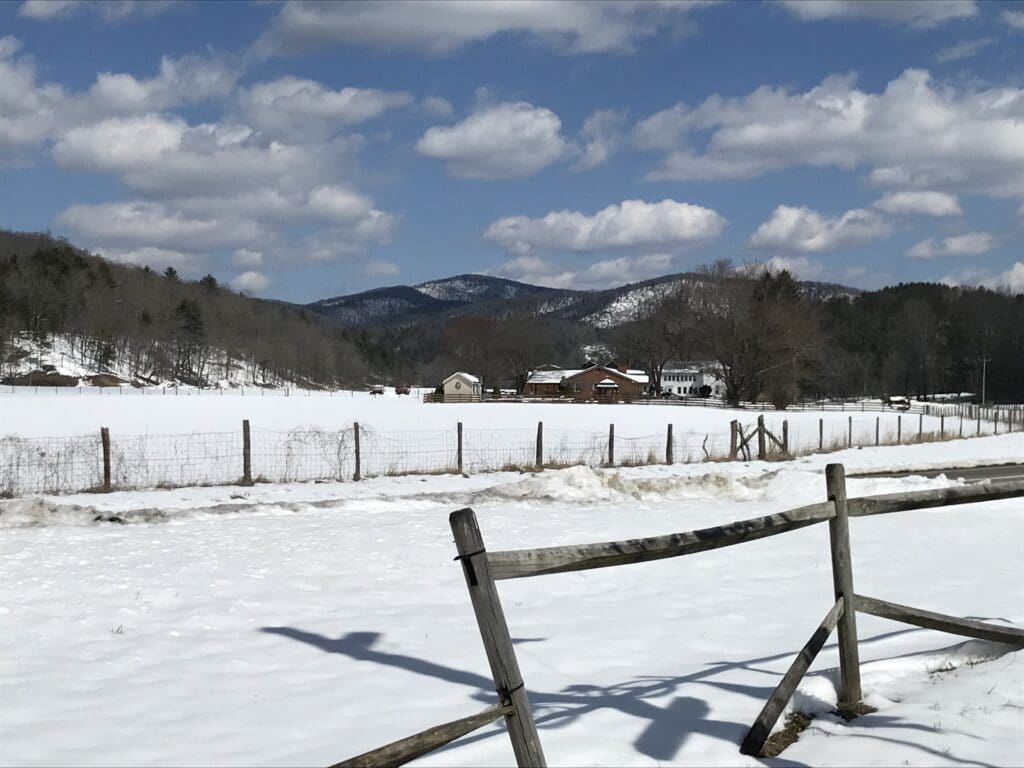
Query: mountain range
(484, 295)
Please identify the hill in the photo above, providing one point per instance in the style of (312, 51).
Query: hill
(66, 314)
(487, 296)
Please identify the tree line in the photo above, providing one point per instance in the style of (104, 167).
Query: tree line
(770, 337)
(159, 327)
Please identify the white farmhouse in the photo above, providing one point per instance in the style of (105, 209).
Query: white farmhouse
(462, 387)
(687, 378)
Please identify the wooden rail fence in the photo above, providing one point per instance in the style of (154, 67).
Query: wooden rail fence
(483, 569)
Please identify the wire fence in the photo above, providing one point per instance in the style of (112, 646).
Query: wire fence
(55, 465)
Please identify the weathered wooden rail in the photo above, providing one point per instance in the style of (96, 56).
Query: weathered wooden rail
(483, 569)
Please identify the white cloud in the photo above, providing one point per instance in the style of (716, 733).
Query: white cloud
(503, 141)
(603, 134)
(131, 224)
(916, 13)
(970, 244)
(964, 50)
(185, 80)
(438, 28)
(1011, 280)
(920, 202)
(290, 106)
(245, 257)
(1014, 19)
(381, 268)
(28, 108)
(913, 133)
(339, 203)
(800, 266)
(250, 282)
(631, 224)
(805, 230)
(532, 269)
(156, 258)
(107, 10)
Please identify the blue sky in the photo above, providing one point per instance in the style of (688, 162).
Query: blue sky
(303, 150)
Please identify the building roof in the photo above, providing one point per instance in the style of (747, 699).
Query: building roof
(551, 375)
(607, 383)
(639, 377)
(462, 374)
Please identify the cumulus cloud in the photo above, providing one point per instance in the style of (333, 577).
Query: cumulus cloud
(107, 10)
(250, 282)
(911, 12)
(912, 133)
(28, 108)
(919, 202)
(805, 230)
(603, 134)
(800, 266)
(631, 224)
(1011, 280)
(970, 244)
(185, 80)
(290, 105)
(503, 141)
(533, 269)
(157, 258)
(155, 224)
(436, 28)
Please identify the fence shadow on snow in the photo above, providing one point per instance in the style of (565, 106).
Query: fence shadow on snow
(483, 569)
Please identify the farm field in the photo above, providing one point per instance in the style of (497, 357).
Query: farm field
(304, 623)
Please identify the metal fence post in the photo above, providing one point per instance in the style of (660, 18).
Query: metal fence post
(669, 448)
(357, 474)
(458, 447)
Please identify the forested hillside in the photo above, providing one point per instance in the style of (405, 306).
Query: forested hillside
(153, 327)
(775, 337)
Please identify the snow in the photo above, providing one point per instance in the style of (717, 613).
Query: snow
(302, 624)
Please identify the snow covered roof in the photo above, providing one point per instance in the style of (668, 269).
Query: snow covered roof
(463, 375)
(607, 383)
(551, 376)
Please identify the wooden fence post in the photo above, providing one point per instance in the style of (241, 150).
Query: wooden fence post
(978, 410)
(899, 428)
(995, 420)
(458, 447)
(762, 452)
(669, 447)
(942, 425)
(961, 424)
(849, 433)
(734, 440)
(878, 430)
(105, 441)
(539, 462)
(246, 453)
(501, 655)
(785, 436)
(357, 474)
(920, 427)
(821, 435)
(842, 581)
(611, 445)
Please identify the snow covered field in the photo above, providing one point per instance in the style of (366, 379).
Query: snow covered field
(194, 437)
(301, 624)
